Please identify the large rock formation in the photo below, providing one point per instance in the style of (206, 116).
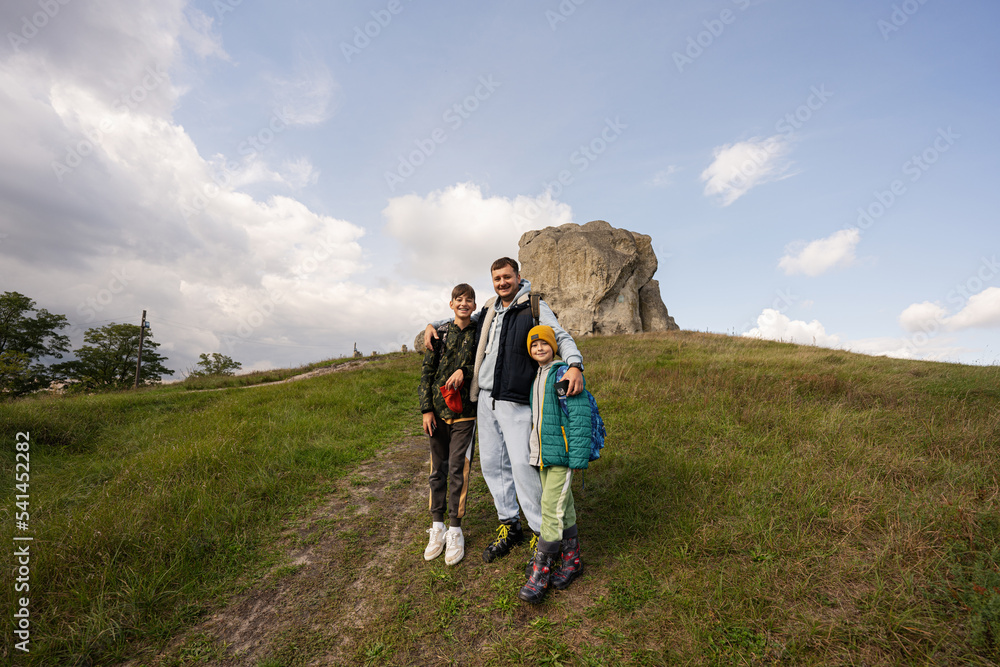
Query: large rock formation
(596, 278)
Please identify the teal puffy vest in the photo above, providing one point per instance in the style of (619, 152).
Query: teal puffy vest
(564, 439)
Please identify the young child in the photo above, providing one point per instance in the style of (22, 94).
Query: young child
(559, 444)
(450, 423)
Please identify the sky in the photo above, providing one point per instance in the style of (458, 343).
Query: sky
(278, 182)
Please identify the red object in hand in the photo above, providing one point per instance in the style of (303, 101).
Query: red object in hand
(452, 398)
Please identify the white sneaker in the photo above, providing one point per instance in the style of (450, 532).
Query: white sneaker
(436, 544)
(456, 547)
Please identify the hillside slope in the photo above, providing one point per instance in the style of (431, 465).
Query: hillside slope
(757, 502)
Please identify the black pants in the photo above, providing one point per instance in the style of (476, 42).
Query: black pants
(451, 464)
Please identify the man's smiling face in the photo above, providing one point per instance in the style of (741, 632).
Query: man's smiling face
(506, 282)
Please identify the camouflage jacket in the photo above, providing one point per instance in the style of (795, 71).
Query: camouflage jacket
(459, 353)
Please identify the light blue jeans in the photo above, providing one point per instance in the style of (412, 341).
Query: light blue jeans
(503, 456)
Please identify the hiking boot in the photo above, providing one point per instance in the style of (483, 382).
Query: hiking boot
(455, 550)
(509, 535)
(532, 550)
(435, 545)
(537, 585)
(572, 564)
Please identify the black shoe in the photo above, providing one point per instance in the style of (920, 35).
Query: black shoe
(509, 535)
(571, 566)
(532, 550)
(537, 586)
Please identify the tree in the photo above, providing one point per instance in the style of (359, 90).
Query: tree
(109, 359)
(25, 341)
(216, 364)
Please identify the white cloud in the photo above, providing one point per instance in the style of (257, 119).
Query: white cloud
(96, 170)
(774, 325)
(817, 257)
(295, 174)
(744, 165)
(924, 316)
(982, 311)
(454, 234)
(929, 349)
(663, 178)
(309, 96)
(925, 321)
(196, 31)
(299, 173)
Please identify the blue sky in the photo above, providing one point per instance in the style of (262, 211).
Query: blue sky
(277, 181)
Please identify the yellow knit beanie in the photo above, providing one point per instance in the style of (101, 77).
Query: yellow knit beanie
(543, 332)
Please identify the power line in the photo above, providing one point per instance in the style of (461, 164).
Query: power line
(124, 320)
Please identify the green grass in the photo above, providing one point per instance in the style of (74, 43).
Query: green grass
(148, 507)
(756, 503)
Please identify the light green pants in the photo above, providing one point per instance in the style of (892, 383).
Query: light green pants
(558, 509)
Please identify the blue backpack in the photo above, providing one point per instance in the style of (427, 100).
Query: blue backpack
(597, 431)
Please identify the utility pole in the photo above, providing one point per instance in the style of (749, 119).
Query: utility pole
(138, 362)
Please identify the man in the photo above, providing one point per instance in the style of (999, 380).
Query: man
(501, 382)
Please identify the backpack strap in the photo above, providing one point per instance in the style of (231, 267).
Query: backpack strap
(536, 309)
(438, 344)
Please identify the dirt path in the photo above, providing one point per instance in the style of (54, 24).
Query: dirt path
(347, 366)
(331, 582)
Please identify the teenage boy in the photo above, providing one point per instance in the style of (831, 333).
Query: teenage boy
(449, 420)
(502, 378)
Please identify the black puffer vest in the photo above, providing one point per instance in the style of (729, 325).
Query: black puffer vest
(515, 370)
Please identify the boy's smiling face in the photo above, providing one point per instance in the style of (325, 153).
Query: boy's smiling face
(463, 306)
(541, 352)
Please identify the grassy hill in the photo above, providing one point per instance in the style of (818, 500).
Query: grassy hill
(756, 503)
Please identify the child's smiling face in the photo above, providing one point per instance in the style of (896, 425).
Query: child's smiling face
(463, 306)
(541, 352)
